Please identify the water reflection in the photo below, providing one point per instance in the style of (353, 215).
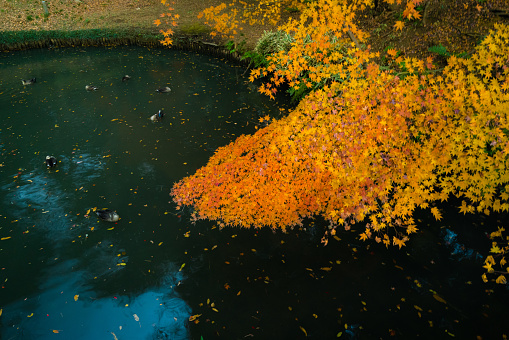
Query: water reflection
(142, 277)
(62, 270)
(69, 306)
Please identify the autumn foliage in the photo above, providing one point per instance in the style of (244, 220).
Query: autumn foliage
(367, 145)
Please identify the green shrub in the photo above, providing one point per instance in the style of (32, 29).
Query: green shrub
(271, 42)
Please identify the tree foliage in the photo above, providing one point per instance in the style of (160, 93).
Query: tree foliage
(366, 144)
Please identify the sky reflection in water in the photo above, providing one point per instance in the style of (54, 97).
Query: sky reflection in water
(123, 275)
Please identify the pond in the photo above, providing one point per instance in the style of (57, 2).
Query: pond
(64, 272)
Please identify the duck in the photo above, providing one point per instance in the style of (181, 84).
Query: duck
(163, 90)
(158, 116)
(107, 215)
(91, 88)
(28, 81)
(51, 161)
(126, 78)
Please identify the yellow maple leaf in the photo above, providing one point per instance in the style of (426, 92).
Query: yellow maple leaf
(399, 25)
(436, 213)
(501, 280)
(495, 249)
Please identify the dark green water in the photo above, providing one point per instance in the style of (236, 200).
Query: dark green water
(64, 271)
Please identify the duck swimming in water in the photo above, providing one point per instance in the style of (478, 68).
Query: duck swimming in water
(157, 117)
(91, 88)
(108, 215)
(126, 78)
(51, 161)
(28, 81)
(163, 90)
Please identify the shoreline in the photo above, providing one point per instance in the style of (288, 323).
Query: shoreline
(25, 40)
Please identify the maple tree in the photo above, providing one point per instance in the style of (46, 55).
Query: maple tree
(367, 144)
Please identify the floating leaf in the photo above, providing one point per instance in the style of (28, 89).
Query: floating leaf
(501, 280)
(194, 317)
(302, 329)
(439, 299)
(76, 297)
(136, 317)
(182, 266)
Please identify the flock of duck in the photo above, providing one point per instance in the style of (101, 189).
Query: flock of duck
(51, 161)
(155, 117)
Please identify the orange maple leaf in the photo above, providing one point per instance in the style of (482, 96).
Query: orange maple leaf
(392, 52)
(399, 25)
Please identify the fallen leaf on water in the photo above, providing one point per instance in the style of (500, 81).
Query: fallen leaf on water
(136, 317)
(1, 310)
(215, 310)
(29, 316)
(160, 243)
(56, 331)
(327, 269)
(302, 329)
(182, 266)
(5, 238)
(439, 299)
(194, 317)
(76, 297)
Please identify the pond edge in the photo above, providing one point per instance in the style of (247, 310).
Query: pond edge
(24, 40)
